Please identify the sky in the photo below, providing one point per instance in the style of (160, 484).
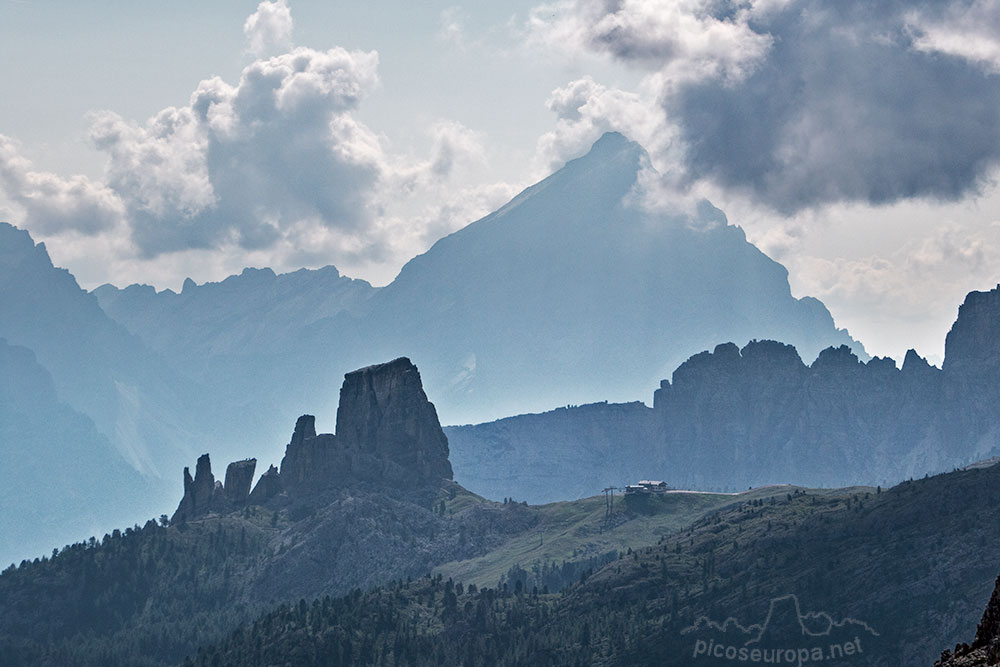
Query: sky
(857, 143)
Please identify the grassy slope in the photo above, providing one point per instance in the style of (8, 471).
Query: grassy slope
(573, 530)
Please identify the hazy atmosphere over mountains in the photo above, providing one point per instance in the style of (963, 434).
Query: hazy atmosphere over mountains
(567, 294)
(701, 293)
(570, 293)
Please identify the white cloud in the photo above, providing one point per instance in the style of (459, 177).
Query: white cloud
(585, 110)
(683, 39)
(452, 30)
(54, 204)
(896, 290)
(969, 30)
(269, 29)
(241, 163)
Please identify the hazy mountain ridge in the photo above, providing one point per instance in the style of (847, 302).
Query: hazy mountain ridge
(105, 410)
(253, 313)
(735, 417)
(570, 452)
(98, 368)
(47, 489)
(564, 295)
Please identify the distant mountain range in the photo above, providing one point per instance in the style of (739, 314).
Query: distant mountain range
(91, 414)
(735, 418)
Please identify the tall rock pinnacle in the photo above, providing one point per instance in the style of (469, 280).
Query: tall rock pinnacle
(384, 411)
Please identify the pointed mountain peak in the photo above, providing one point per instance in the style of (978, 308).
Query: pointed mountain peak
(615, 142)
(614, 149)
(595, 181)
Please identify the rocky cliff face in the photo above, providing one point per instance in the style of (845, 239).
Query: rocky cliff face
(985, 648)
(384, 411)
(239, 475)
(388, 435)
(733, 418)
(759, 415)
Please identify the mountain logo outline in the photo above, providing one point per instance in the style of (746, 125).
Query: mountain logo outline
(786, 610)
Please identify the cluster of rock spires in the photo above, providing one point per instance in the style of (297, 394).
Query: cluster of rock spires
(388, 434)
(839, 419)
(985, 648)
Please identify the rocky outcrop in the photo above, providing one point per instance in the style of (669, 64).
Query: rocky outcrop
(204, 494)
(972, 347)
(388, 435)
(268, 486)
(239, 475)
(736, 418)
(985, 648)
(988, 632)
(198, 492)
(387, 432)
(385, 412)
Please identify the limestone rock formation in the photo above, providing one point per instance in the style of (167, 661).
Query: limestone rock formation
(384, 411)
(204, 494)
(312, 461)
(387, 432)
(733, 418)
(268, 486)
(985, 648)
(972, 346)
(388, 435)
(239, 476)
(198, 492)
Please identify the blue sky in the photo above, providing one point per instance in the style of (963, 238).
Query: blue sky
(855, 143)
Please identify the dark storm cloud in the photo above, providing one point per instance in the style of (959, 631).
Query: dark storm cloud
(802, 102)
(844, 107)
